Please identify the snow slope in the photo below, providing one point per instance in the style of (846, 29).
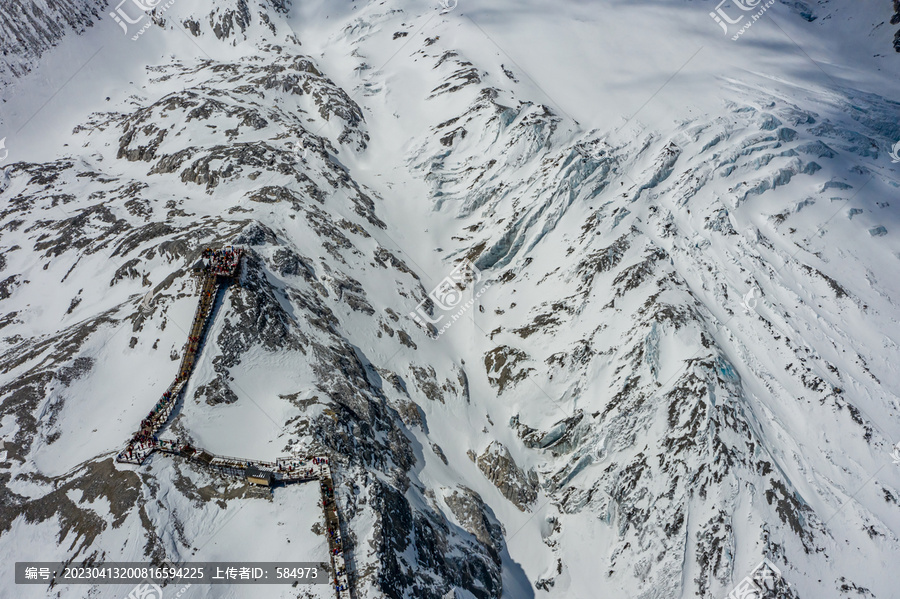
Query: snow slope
(681, 352)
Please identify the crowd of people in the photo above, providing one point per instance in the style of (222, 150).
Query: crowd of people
(224, 261)
(307, 473)
(334, 533)
(145, 438)
(171, 444)
(340, 581)
(148, 424)
(207, 297)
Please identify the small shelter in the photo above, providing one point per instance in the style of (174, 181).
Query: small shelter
(259, 477)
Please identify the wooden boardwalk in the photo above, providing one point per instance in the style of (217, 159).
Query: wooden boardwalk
(220, 267)
(333, 530)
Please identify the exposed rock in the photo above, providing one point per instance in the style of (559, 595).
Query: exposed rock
(472, 514)
(217, 392)
(403, 533)
(501, 367)
(499, 467)
(439, 453)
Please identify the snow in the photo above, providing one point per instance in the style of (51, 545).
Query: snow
(635, 76)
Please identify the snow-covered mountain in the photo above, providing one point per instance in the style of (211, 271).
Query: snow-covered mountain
(675, 354)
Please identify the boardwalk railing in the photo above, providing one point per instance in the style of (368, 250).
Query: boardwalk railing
(287, 469)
